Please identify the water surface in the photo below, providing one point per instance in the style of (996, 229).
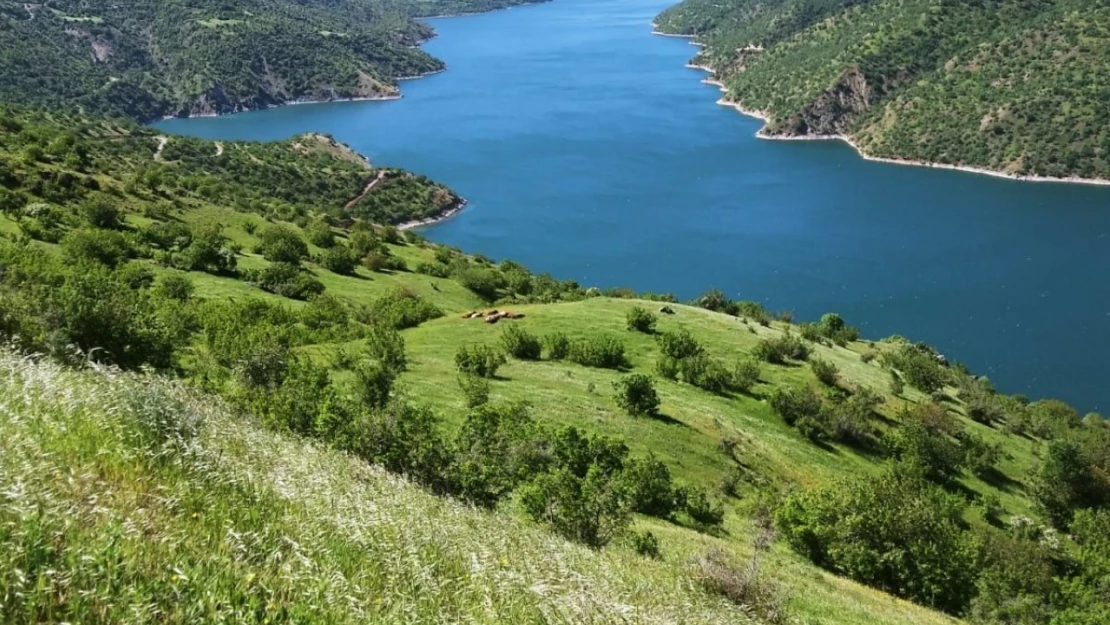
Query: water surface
(587, 150)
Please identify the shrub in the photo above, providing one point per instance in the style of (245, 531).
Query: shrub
(480, 360)
(745, 375)
(280, 244)
(919, 367)
(745, 586)
(679, 344)
(363, 243)
(795, 404)
(557, 344)
(403, 439)
(287, 280)
(926, 447)
(897, 387)
(520, 343)
(101, 212)
(320, 234)
(702, 509)
(667, 367)
(380, 262)
(400, 309)
(482, 282)
(824, 370)
(338, 259)
(176, 287)
(641, 320)
(705, 373)
(496, 449)
(604, 352)
(385, 345)
(436, 270)
(99, 246)
(374, 382)
(207, 251)
(896, 532)
(646, 544)
(647, 486)
(636, 395)
(584, 509)
(475, 389)
(391, 234)
(779, 350)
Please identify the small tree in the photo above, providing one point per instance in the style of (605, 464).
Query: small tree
(897, 386)
(282, 245)
(557, 344)
(475, 389)
(640, 319)
(636, 395)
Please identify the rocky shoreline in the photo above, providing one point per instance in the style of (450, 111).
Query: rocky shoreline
(765, 118)
(429, 221)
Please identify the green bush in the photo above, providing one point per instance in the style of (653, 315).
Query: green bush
(679, 344)
(557, 344)
(475, 389)
(400, 309)
(705, 373)
(641, 320)
(896, 531)
(520, 343)
(636, 395)
(923, 444)
(320, 234)
(824, 370)
(603, 352)
(919, 367)
(478, 359)
(100, 211)
(280, 244)
(338, 259)
(99, 246)
(484, 283)
(496, 449)
(176, 287)
(646, 544)
(779, 350)
(795, 404)
(647, 486)
(287, 280)
(745, 375)
(436, 270)
(702, 509)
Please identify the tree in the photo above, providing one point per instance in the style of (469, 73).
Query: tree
(641, 320)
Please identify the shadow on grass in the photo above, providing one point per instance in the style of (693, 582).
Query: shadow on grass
(1000, 480)
(667, 419)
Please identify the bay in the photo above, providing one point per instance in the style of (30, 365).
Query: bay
(586, 149)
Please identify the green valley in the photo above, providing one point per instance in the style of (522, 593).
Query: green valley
(1014, 87)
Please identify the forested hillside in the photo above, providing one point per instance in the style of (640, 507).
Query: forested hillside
(151, 58)
(1017, 86)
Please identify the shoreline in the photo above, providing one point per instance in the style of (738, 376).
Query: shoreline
(905, 162)
(431, 221)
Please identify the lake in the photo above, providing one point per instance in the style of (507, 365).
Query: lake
(588, 150)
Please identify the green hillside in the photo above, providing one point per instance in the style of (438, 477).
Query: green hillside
(590, 457)
(1014, 86)
(148, 59)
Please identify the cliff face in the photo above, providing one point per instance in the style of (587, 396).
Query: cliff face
(833, 112)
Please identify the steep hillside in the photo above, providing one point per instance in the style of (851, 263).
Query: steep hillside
(716, 458)
(144, 60)
(1016, 87)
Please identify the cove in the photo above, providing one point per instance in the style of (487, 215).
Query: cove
(586, 149)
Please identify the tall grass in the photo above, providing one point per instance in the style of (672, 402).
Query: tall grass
(133, 499)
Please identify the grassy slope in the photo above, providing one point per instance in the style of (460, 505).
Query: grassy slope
(695, 422)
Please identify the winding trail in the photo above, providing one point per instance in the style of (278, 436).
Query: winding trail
(30, 11)
(219, 149)
(162, 141)
(373, 183)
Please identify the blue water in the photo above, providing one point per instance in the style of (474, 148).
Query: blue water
(587, 150)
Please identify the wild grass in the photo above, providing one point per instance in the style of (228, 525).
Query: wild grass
(132, 499)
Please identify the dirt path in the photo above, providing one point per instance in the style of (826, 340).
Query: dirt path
(30, 10)
(162, 141)
(369, 187)
(219, 149)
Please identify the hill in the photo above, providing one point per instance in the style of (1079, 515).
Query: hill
(714, 457)
(145, 60)
(1014, 86)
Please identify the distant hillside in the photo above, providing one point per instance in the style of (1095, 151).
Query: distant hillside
(1017, 86)
(148, 59)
